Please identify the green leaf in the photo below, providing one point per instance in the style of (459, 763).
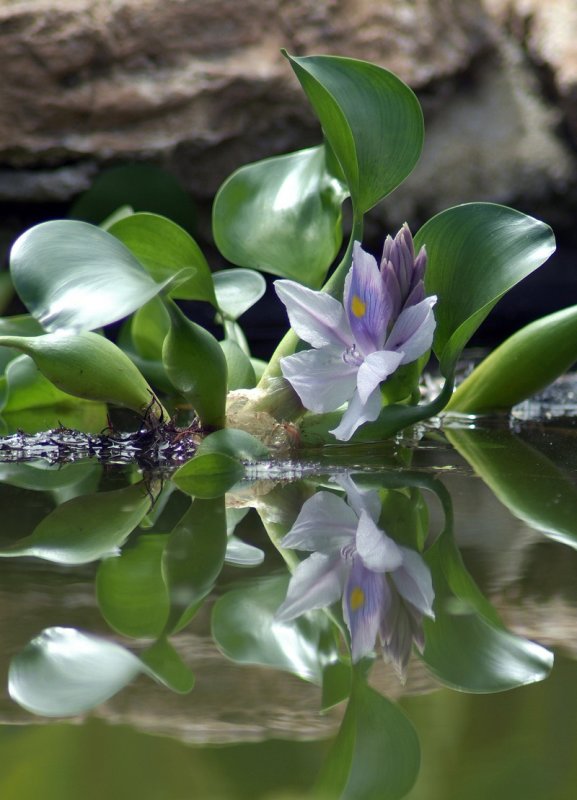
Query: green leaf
(237, 290)
(63, 672)
(20, 325)
(75, 276)
(467, 652)
(524, 364)
(193, 558)
(209, 475)
(148, 329)
(281, 215)
(237, 444)
(196, 366)
(89, 366)
(130, 589)
(476, 253)
(371, 119)
(163, 663)
(164, 249)
(43, 477)
(523, 479)
(245, 629)
(143, 187)
(240, 369)
(85, 528)
(241, 554)
(376, 755)
(23, 386)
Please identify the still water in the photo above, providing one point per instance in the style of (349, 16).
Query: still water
(155, 645)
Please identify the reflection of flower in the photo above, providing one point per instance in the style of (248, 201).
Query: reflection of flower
(386, 321)
(386, 589)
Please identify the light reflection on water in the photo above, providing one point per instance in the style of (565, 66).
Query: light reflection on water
(256, 732)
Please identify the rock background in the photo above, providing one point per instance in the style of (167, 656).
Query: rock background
(201, 88)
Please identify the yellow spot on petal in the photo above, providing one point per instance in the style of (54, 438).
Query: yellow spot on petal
(357, 598)
(358, 307)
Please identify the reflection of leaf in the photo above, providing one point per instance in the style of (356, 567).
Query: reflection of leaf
(193, 557)
(41, 476)
(524, 480)
(280, 215)
(75, 276)
(466, 645)
(376, 755)
(245, 629)
(208, 475)
(131, 592)
(85, 528)
(64, 672)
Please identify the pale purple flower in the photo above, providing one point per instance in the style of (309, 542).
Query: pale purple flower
(385, 321)
(386, 589)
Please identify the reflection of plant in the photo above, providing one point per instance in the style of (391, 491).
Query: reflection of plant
(386, 589)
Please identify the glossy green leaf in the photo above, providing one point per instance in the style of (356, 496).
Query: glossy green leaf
(89, 366)
(148, 329)
(237, 444)
(281, 215)
(237, 290)
(524, 364)
(524, 480)
(376, 755)
(130, 589)
(87, 417)
(194, 557)
(144, 187)
(371, 119)
(63, 672)
(245, 629)
(208, 475)
(196, 366)
(75, 276)
(164, 249)
(476, 253)
(85, 528)
(240, 369)
(467, 652)
(23, 386)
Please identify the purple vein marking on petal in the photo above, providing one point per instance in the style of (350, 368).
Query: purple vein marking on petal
(413, 332)
(367, 306)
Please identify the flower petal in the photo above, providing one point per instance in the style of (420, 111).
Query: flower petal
(367, 306)
(377, 551)
(316, 317)
(376, 368)
(412, 333)
(321, 378)
(360, 499)
(362, 603)
(356, 414)
(413, 580)
(317, 582)
(325, 523)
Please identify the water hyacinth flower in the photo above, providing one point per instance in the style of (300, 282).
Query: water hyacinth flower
(384, 322)
(386, 589)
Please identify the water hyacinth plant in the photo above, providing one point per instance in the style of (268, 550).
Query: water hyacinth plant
(359, 340)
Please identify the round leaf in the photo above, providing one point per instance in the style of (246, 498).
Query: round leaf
(476, 253)
(64, 672)
(164, 249)
(237, 290)
(281, 215)
(237, 444)
(75, 276)
(209, 475)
